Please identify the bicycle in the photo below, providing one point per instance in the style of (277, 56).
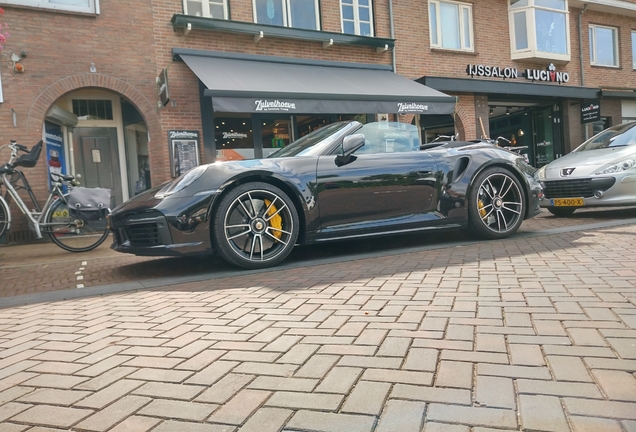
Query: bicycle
(69, 226)
(510, 147)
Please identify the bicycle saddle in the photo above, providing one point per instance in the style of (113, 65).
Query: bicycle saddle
(29, 159)
(65, 177)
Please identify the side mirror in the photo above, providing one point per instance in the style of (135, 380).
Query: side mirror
(352, 143)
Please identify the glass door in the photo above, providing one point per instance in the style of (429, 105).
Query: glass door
(543, 136)
(276, 132)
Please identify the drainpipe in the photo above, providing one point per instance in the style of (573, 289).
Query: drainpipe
(581, 64)
(393, 34)
(581, 45)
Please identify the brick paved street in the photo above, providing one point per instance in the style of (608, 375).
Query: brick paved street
(43, 267)
(532, 333)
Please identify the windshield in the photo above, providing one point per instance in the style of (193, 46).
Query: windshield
(616, 136)
(302, 145)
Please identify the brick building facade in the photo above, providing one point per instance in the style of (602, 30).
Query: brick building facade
(90, 76)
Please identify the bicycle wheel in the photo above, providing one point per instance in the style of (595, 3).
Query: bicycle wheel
(71, 234)
(4, 217)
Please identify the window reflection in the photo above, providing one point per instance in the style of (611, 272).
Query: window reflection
(233, 137)
(551, 32)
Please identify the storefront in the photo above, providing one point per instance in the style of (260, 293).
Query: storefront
(532, 108)
(252, 105)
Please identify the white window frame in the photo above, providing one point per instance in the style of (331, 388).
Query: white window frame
(92, 8)
(532, 51)
(634, 49)
(592, 35)
(287, 21)
(205, 7)
(356, 16)
(462, 34)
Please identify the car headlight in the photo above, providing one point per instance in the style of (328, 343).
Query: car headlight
(618, 167)
(182, 182)
(540, 173)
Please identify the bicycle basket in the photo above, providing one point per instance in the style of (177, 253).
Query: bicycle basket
(88, 204)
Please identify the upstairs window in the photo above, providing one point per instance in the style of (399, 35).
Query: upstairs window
(451, 25)
(302, 14)
(539, 29)
(357, 17)
(206, 8)
(603, 46)
(84, 6)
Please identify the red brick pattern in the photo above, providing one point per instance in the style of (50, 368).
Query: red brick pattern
(528, 333)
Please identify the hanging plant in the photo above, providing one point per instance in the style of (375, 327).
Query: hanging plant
(4, 34)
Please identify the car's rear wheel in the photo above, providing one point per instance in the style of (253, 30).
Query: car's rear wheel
(256, 226)
(561, 211)
(496, 203)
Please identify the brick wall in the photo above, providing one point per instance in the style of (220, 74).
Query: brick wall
(60, 48)
(416, 58)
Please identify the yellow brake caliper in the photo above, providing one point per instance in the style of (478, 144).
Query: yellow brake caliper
(276, 221)
(482, 211)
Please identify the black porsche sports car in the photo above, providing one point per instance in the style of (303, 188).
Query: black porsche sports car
(343, 181)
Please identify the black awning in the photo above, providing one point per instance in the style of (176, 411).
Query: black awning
(274, 84)
(474, 85)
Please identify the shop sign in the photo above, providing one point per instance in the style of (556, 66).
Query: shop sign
(411, 107)
(275, 105)
(162, 88)
(184, 151)
(548, 74)
(234, 135)
(591, 111)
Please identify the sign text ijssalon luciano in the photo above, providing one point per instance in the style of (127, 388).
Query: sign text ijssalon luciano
(548, 74)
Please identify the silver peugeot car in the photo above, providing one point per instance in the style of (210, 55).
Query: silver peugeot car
(601, 172)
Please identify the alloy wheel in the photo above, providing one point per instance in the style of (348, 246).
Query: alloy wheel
(500, 202)
(258, 225)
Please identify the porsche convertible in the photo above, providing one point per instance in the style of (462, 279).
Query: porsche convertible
(346, 180)
(601, 172)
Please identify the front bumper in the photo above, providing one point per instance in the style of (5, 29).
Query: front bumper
(170, 227)
(606, 191)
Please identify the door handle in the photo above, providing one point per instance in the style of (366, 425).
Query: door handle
(424, 172)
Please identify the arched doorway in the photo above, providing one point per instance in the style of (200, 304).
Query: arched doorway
(102, 137)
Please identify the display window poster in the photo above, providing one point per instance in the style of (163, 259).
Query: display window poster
(184, 151)
(55, 154)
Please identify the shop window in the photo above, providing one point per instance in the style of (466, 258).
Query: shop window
(603, 46)
(451, 25)
(89, 109)
(357, 17)
(233, 137)
(206, 8)
(539, 29)
(85, 6)
(634, 50)
(288, 13)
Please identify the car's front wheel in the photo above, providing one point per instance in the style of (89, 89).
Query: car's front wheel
(255, 226)
(561, 211)
(496, 204)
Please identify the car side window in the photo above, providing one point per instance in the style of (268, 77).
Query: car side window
(389, 137)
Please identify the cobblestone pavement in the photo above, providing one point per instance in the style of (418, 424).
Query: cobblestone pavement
(534, 333)
(43, 267)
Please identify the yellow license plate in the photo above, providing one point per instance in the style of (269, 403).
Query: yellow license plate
(567, 202)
